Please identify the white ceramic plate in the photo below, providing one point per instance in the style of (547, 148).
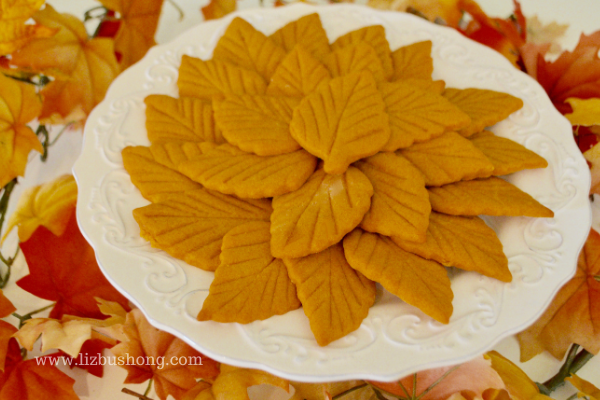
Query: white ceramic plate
(395, 339)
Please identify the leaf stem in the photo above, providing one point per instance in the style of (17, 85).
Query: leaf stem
(582, 358)
(378, 392)
(559, 379)
(4, 279)
(136, 394)
(29, 315)
(41, 130)
(60, 134)
(6, 192)
(148, 388)
(352, 389)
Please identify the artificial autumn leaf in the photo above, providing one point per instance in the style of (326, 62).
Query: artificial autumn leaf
(307, 32)
(233, 383)
(446, 12)
(400, 204)
(492, 196)
(83, 68)
(243, 45)
(218, 8)
(206, 79)
(19, 104)
(14, 32)
(334, 297)
(298, 75)
(506, 155)
(257, 124)
(574, 314)
(49, 205)
(64, 269)
(32, 380)
(413, 61)
(574, 74)
(585, 388)
(357, 57)
(485, 107)
(172, 154)
(593, 157)
(186, 119)
(419, 282)
(138, 23)
(171, 378)
(201, 391)
(6, 333)
(447, 159)
(539, 33)
(470, 379)
(250, 284)
(417, 116)
(342, 121)
(585, 112)
(191, 225)
(152, 178)
(6, 306)
(230, 170)
(463, 242)
(109, 330)
(327, 391)
(68, 336)
(375, 36)
(518, 384)
(320, 213)
(90, 349)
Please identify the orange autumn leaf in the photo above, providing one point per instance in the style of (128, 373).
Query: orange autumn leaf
(14, 32)
(593, 157)
(434, 10)
(143, 340)
(6, 306)
(585, 388)
(233, 383)
(518, 385)
(574, 74)
(139, 20)
(83, 69)
(470, 380)
(19, 104)
(574, 314)
(6, 333)
(218, 8)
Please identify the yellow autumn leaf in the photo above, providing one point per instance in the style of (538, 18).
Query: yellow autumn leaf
(485, 107)
(328, 390)
(257, 124)
(518, 384)
(447, 159)
(14, 32)
(593, 157)
(151, 177)
(49, 205)
(428, 85)
(171, 154)
(400, 204)
(375, 36)
(586, 112)
(110, 329)
(233, 383)
(342, 122)
(250, 284)
(191, 225)
(298, 75)
(66, 336)
(19, 104)
(492, 196)
(584, 388)
(357, 57)
(244, 46)
(201, 391)
(138, 20)
(462, 242)
(413, 61)
(307, 32)
(186, 119)
(419, 282)
(417, 116)
(334, 297)
(206, 79)
(320, 213)
(218, 8)
(230, 170)
(506, 155)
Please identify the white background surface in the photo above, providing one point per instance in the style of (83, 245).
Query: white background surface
(581, 15)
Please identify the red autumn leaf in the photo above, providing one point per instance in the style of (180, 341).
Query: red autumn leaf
(26, 380)
(6, 307)
(505, 36)
(6, 333)
(89, 357)
(573, 74)
(64, 269)
(145, 342)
